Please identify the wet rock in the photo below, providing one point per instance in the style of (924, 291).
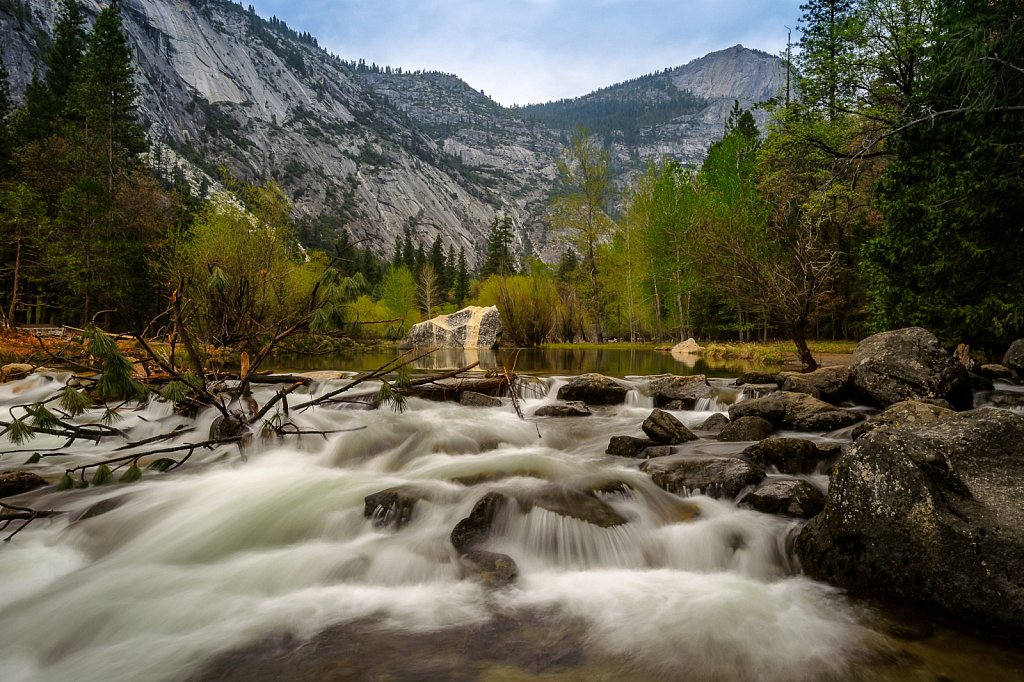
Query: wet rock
(790, 455)
(757, 378)
(474, 399)
(575, 408)
(101, 508)
(576, 504)
(908, 364)
(995, 372)
(930, 514)
(1013, 360)
(391, 508)
(795, 411)
(721, 477)
(980, 383)
(662, 427)
(14, 370)
(492, 569)
(656, 451)
(18, 482)
(476, 527)
(231, 426)
(909, 413)
(593, 389)
(789, 497)
(679, 393)
(628, 446)
(746, 428)
(830, 384)
(715, 423)
(471, 327)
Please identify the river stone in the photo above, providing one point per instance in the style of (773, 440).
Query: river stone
(830, 384)
(721, 477)
(930, 514)
(18, 482)
(679, 393)
(574, 408)
(746, 428)
(14, 370)
(1013, 360)
(908, 364)
(576, 504)
(980, 382)
(492, 569)
(788, 497)
(471, 327)
(474, 399)
(757, 378)
(663, 428)
(627, 446)
(790, 455)
(593, 389)
(391, 508)
(475, 528)
(795, 411)
(715, 423)
(909, 413)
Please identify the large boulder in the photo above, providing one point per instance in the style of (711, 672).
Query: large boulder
(795, 411)
(15, 370)
(1014, 359)
(721, 477)
(628, 446)
(789, 455)
(930, 514)
(679, 393)
(593, 389)
(830, 384)
(746, 428)
(908, 364)
(471, 327)
(663, 428)
(574, 408)
(715, 423)
(17, 482)
(474, 399)
(476, 528)
(786, 497)
(907, 413)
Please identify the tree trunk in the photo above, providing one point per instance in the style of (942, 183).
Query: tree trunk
(11, 319)
(798, 333)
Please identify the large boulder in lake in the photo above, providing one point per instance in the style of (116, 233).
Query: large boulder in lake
(721, 477)
(908, 364)
(830, 384)
(471, 327)
(795, 411)
(679, 393)
(1014, 359)
(932, 515)
(593, 389)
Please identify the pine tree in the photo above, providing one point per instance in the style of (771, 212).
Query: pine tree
(461, 279)
(6, 109)
(66, 52)
(498, 257)
(826, 54)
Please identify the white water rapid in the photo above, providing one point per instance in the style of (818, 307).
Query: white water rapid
(188, 574)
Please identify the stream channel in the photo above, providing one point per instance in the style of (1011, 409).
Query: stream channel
(262, 565)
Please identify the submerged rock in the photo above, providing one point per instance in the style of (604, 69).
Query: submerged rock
(391, 508)
(475, 528)
(787, 497)
(17, 482)
(789, 455)
(662, 427)
(908, 364)
(907, 413)
(492, 569)
(471, 327)
(679, 393)
(796, 411)
(746, 428)
(593, 389)
(474, 399)
(930, 514)
(575, 408)
(830, 384)
(713, 476)
(576, 504)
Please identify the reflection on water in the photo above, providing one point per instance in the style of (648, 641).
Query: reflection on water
(618, 362)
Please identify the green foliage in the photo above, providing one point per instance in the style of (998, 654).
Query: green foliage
(42, 418)
(34, 459)
(527, 304)
(499, 256)
(102, 475)
(175, 392)
(398, 293)
(131, 474)
(116, 380)
(73, 401)
(19, 432)
(67, 482)
(162, 464)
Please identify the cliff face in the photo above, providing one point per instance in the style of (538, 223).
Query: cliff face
(369, 150)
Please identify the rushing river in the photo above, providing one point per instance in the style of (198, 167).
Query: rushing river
(262, 565)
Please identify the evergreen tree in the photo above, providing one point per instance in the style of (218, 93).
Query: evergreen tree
(65, 54)
(498, 256)
(827, 54)
(408, 251)
(437, 262)
(6, 114)
(461, 279)
(396, 257)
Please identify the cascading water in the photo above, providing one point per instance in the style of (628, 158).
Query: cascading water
(224, 568)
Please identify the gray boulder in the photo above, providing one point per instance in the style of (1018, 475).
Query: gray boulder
(575, 408)
(932, 515)
(593, 389)
(746, 428)
(908, 364)
(1014, 359)
(759, 378)
(679, 393)
(715, 423)
(628, 446)
(471, 327)
(662, 427)
(910, 413)
(474, 399)
(787, 497)
(789, 455)
(830, 384)
(795, 411)
(721, 477)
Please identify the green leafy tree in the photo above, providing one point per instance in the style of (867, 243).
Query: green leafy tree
(398, 293)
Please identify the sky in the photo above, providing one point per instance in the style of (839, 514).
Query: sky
(528, 51)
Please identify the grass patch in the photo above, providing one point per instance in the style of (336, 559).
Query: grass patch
(772, 352)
